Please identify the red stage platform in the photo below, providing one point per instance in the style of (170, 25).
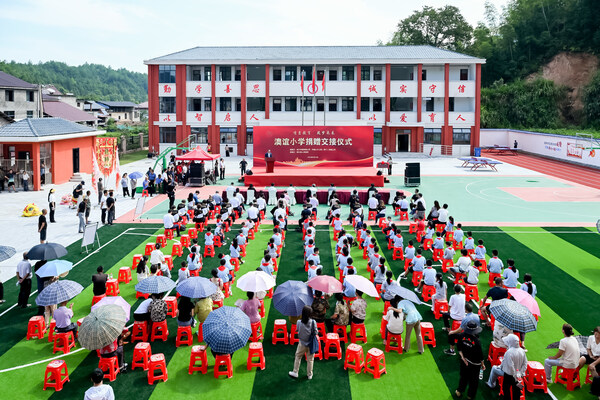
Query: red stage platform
(306, 176)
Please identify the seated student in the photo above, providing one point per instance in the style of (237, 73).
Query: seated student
(469, 241)
(449, 251)
(208, 237)
(219, 231)
(185, 312)
(337, 224)
(480, 250)
(218, 295)
(266, 265)
(409, 251)
(277, 238)
(386, 288)
(397, 239)
(193, 261)
(141, 313)
(272, 249)
(142, 269)
(227, 259)
(421, 225)
(441, 289)
(341, 314)
(342, 258)
(495, 264)
(358, 308)
(459, 234)
(438, 243)
(461, 265)
(349, 267)
(373, 260)
(416, 265)
(312, 269)
(183, 273)
(349, 289)
(395, 320)
(429, 232)
(62, 315)
(429, 275)
(529, 286)
(158, 308)
(315, 257)
(456, 307)
(381, 211)
(371, 246)
(390, 229)
(380, 271)
(223, 271)
(511, 274)
(449, 226)
(234, 251)
(250, 307)
(472, 277)
(99, 391)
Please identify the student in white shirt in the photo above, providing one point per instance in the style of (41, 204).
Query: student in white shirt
(291, 191)
(272, 194)
(567, 355)
(461, 265)
(495, 264)
(529, 286)
(472, 277)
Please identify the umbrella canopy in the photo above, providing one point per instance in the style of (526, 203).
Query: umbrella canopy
(54, 268)
(135, 175)
(196, 287)
(363, 284)
(405, 293)
(581, 341)
(6, 252)
(102, 326)
(47, 251)
(226, 329)
(117, 301)
(524, 298)
(291, 296)
(326, 284)
(197, 155)
(155, 284)
(513, 315)
(255, 281)
(57, 292)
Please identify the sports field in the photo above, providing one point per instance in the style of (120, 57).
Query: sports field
(564, 262)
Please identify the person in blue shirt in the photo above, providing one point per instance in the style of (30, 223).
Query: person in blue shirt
(152, 181)
(413, 319)
(349, 290)
(387, 285)
(511, 274)
(529, 286)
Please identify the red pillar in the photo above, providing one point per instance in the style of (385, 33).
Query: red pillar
(241, 137)
(446, 129)
(213, 133)
(35, 158)
(358, 94)
(475, 129)
(419, 138)
(388, 71)
(267, 80)
(419, 91)
(153, 108)
(180, 102)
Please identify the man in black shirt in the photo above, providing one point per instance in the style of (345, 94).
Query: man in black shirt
(110, 208)
(498, 292)
(42, 225)
(78, 192)
(99, 281)
(471, 360)
(81, 215)
(305, 214)
(171, 192)
(243, 165)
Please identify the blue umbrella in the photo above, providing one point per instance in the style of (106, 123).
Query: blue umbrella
(6, 252)
(196, 287)
(291, 296)
(226, 330)
(513, 315)
(155, 284)
(57, 292)
(405, 293)
(54, 268)
(46, 251)
(135, 175)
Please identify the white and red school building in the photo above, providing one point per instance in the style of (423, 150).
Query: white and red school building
(417, 98)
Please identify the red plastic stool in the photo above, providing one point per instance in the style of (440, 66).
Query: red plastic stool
(446, 264)
(217, 304)
(236, 263)
(149, 248)
(209, 251)
(169, 261)
(257, 332)
(455, 325)
(459, 278)
(492, 277)
(198, 354)
(112, 287)
(262, 308)
(36, 327)
(412, 227)
(321, 329)
(407, 262)
(332, 340)
(110, 367)
(140, 294)
(171, 305)
(243, 250)
(427, 243)
(157, 364)
(168, 234)
(124, 274)
(193, 233)
(393, 338)
(280, 328)
(145, 193)
(56, 375)
(483, 266)
(217, 241)
(416, 278)
(471, 293)
(64, 342)
(223, 360)
(51, 331)
(226, 289)
(403, 216)
(375, 363)
(176, 249)
(495, 352)
(382, 327)
(535, 378)
(354, 358)
(184, 336)
(386, 306)
(159, 331)
(588, 376)
(398, 254)
(371, 216)
(568, 376)
(457, 245)
(428, 333)
(428, 292)
(96, 299)
(255, 350)
(318, 355)
(342, 332)
(438, 254)
(439, 306)
(136, 259)
(294, 335)
(358, 332)
(162, 240)
(185, 240)
(141, 356)
(501, 393)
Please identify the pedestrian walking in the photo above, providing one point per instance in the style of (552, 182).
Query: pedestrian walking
(125, 185)
(81, 215)
(110, 206)
(24, 281)
(52, 204)
(42, 225)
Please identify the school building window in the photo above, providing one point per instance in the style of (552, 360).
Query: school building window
(365, 73)
(249, 135)
(402, 73)
(166, 74)
(347, 103)
(401, 104)
(348, 73)
(377, 136)
(276, 104)
(201, 134)
(166, 105)
(461, 135)
(167, 134)
(228, 135)
(433, 136)
(255, 104)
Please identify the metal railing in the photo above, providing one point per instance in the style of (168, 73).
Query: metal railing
(435, 150)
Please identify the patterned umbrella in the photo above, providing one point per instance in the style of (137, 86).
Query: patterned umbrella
(47, 251)
(6, 252)
(363, 284)
(54, 268)
(513, 315)
(116, 300)
(255, 281)
(326, 284)
(102, 326)
(196, 287)
(226, 329)
(57, 292)
(405, 293)
(135, 175)
(155, 284)
(291, 296)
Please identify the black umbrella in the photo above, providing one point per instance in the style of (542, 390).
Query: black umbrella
(46, 251)
(581, 340)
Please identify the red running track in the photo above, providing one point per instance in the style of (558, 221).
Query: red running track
(559, 169)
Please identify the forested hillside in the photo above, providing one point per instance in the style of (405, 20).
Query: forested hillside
(88, 81)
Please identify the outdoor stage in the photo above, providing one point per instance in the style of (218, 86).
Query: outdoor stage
(306, 176)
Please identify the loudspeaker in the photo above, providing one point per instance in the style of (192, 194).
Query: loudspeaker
(196, 171)
(249, 172)
(412, 174)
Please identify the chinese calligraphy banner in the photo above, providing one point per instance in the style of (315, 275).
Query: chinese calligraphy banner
(106, 162)
(314, 146)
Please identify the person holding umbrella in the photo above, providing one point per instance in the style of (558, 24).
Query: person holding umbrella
(358, 308)
(185, 312)
(250, 307)
(307, 328)
(62, 316)
(319, 306)
(471, 360)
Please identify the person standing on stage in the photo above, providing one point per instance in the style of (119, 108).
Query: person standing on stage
(243, 165)
(269, 154)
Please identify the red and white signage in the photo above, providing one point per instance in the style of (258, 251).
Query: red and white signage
(167, 90)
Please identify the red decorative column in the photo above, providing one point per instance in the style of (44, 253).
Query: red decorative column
(153, 108)
(358, 94)
(475, 129)
(35, 158)
(446, 129)
(419, 91)
(214, 138)
(180, 102)
(388, 72)
(267, 80)
(241, 136)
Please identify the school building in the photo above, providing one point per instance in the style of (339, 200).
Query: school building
(417, 98)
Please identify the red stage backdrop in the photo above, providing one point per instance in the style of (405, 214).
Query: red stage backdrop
(314, 146)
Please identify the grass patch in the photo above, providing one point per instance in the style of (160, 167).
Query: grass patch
(134, 156)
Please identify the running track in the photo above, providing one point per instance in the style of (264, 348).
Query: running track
(559, 169)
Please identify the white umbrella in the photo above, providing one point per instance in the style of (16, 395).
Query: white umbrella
(255, 281)
(363, 284)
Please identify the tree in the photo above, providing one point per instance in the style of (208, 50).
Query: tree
(443, 27)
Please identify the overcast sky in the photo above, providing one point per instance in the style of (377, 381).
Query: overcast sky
(124, 33)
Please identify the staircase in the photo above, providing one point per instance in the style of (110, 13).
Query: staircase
(76, 178)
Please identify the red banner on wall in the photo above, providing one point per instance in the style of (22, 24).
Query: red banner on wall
(314, 146)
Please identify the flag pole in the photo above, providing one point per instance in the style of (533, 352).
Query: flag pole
(324, 100)
(314, 102)
(302, 102)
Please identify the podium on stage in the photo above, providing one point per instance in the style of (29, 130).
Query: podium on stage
(270, 162)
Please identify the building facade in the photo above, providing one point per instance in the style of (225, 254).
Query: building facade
(18, 99)
(417, 98)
